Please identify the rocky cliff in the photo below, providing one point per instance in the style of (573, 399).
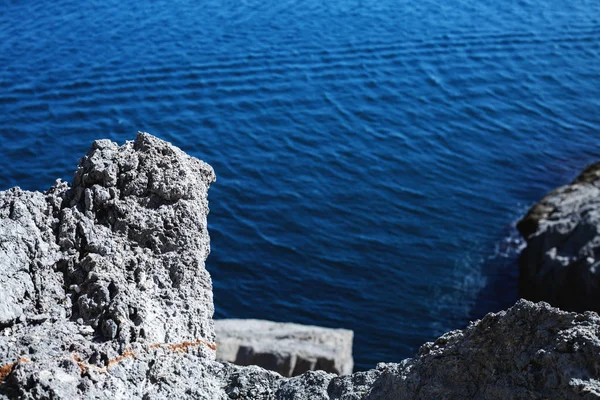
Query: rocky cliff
(104, 295)
(561, 263)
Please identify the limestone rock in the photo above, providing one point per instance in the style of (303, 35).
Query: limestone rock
(113, 262)
(286, 348)
(561, 263)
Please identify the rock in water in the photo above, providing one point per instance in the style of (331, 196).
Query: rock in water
(104, 295)
(561, 263)
(286, 348)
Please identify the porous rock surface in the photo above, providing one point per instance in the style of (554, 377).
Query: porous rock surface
(561, 262)
(105, 296)
(287, 348)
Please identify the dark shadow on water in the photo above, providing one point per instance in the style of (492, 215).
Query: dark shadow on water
(501, 272)
(500, 291)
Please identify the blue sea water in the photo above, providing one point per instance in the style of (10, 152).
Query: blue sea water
(372, 155)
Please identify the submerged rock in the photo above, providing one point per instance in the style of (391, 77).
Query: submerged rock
(104, 295)
(286, 348)
(561, 263)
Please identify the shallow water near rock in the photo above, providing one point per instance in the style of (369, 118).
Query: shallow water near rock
(371, 156)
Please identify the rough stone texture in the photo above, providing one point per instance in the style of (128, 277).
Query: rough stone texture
(561, 263)
(115, 260)
(530, 351)
(286, 348)
(121, 251)
(104, 295)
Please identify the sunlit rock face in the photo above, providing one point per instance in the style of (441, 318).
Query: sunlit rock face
(122, 250)
(113, 261)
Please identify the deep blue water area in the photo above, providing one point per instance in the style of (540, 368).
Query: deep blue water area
(372, 156)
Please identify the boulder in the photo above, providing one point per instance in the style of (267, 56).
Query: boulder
(104, 295)
(561, 262)
(286, 348)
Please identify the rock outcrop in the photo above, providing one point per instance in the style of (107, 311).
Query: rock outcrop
(104, 295)
(561, 263)
(286, 348)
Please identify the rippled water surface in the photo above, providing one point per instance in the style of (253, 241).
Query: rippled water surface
(372, 156)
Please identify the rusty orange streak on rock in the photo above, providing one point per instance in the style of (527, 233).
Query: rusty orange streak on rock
(182, 347)
(127, 353)
(83, 367)
(7, 369)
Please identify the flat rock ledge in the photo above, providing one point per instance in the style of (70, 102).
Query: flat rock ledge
(287, 348)
(561, 262)
(104, 295)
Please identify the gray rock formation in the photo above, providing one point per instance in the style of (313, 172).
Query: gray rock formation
(104, 295)
(118, 257)
(530, 351)
(561, 263)
(286, 348)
